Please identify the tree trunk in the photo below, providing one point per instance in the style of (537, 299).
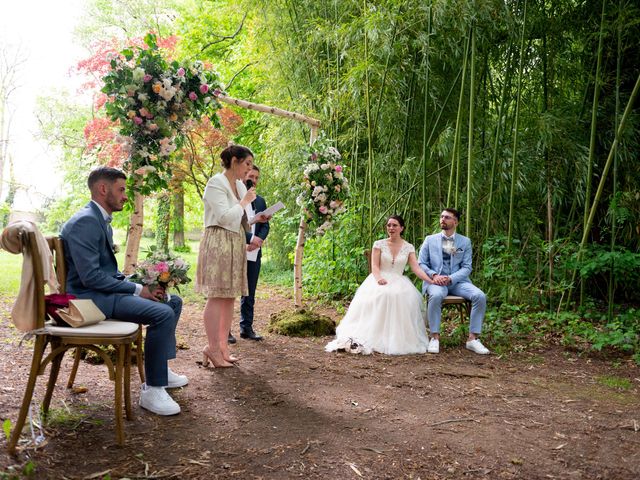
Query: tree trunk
(134, 235)
(178, 218)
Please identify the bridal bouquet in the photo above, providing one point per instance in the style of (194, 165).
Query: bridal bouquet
(160, 268)
(325, 188)
(153, 101)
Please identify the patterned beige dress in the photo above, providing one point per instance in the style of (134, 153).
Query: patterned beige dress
(222, 258)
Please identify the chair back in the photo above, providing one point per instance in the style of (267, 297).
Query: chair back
(57, 250)
(31, 245)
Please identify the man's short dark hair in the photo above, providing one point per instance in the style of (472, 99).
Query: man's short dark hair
(108, 174)
(255, 167)
(453, 212)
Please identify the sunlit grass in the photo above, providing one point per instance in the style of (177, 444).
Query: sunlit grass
(11, 267)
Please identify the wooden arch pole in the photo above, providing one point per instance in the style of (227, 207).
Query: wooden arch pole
(315, 125)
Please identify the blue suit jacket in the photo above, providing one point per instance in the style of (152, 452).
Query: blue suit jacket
(262, 229)
(430, 258)
(92, 269)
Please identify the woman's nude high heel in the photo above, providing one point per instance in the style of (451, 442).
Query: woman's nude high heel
(208, 357)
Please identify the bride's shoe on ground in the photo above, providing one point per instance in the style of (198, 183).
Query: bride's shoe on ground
(216, 360)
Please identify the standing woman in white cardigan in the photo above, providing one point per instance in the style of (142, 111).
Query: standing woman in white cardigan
(222, 259)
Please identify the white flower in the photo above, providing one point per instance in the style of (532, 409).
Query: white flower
(317, 190)
(143, 97)
(138, 73)
(325, 166)
(333, 152)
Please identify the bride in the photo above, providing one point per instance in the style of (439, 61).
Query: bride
(385, 315)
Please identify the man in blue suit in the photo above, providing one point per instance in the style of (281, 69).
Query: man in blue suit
(446, 258)
(254, 242)
(92, 272)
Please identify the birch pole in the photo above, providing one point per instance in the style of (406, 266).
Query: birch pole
(315, 125)
(134, 235)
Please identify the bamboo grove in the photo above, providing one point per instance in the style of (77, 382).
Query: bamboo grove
(510, 111)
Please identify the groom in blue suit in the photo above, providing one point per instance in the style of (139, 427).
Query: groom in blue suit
(92, 272)
(446, 258)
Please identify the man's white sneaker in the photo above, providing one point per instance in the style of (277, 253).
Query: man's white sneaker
(434, 346)
(157, 400)
(477, 347)
(176, 380)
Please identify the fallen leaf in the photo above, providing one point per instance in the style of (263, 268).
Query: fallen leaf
(353, 467)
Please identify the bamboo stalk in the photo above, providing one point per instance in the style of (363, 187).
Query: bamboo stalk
(614, 194)
(472, 86)
(514, 160)
(592, 137)
(456, 138)
(603, 179)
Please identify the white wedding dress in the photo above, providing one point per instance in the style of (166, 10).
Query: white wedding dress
(384, 318)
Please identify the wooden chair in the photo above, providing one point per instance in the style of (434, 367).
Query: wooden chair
(462, 305)
(57, 250)
(121, 335)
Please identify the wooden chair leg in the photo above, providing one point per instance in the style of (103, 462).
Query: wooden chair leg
(38, 352)
(118, 400)
(140, 355)
(53, 377)
(74, 369)
(127, 382)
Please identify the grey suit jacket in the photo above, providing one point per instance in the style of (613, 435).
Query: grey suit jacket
(92, 269)
(430, 258)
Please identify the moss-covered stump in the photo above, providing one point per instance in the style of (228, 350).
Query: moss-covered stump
(301, 323)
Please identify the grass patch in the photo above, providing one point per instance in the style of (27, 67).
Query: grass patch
(614, 382)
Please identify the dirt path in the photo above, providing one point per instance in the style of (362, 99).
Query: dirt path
(291, 410)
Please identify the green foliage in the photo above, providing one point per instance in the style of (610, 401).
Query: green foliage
(12, 473)
(334, 264)
(512, 327)
(615, 382)
(6, 428)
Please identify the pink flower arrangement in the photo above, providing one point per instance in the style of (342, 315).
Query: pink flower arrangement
(193, 96)
(204, 88)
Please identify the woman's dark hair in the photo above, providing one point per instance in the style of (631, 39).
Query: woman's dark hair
(397, 218)
(237, 151)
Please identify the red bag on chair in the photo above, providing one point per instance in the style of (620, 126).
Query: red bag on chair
(53, 302)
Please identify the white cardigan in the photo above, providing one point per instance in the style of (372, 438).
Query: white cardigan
(221, 207)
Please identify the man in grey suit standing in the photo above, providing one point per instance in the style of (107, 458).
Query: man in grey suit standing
(92, 272)
(446, 258)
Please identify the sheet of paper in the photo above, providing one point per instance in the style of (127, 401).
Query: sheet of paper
(252, 256)
(273, 208)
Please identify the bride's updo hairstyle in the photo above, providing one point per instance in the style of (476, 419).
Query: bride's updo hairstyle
(398, 219)
(231, 151)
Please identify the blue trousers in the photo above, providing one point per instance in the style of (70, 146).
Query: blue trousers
(160, 342)
(464, 289)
